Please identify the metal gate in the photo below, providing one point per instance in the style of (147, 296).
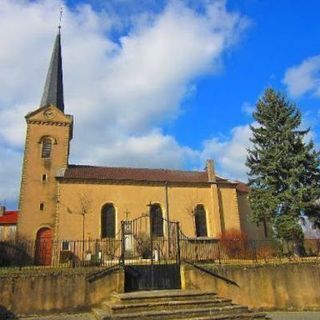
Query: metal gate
(150, 253)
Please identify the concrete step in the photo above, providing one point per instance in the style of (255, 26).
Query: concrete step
(101, 314)
(163, 295)
(179, 313)
(172, 304)
(164, 305)
(247, 316)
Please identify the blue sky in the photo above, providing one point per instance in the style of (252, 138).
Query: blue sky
(157, 83)
(281, 34)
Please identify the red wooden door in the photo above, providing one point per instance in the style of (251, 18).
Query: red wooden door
(44, 247)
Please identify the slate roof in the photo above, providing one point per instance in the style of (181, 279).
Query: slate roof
(9, 217)
(53, 89)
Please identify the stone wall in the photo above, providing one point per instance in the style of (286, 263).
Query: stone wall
(45, 292)
(280, 287)
(266, 287)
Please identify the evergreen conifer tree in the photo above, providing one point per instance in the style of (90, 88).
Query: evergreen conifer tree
(284, 171)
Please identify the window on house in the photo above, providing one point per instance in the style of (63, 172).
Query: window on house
(200, 221)
(65, 245)
(41, 206)
(108, 221)
(44, 178)
(46, 148)
(156, 220)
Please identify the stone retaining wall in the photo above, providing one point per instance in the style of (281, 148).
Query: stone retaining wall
(45, 292)
(266, 287)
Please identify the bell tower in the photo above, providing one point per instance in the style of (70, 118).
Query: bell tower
(46, 152)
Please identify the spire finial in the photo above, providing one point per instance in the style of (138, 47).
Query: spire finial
(60, 18)
(53, 89)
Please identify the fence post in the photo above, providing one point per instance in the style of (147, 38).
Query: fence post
(178, 243)
(123, 247)
(255, 251)
(219, 253)
(74, 255)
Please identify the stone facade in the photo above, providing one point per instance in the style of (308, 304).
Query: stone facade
(38, 194)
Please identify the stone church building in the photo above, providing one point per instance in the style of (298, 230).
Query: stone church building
(62, 201)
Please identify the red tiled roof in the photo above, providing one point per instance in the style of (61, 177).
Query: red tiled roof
(134, 174)
(9, 217)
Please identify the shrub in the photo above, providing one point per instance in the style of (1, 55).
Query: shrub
(234, 244)
(265, 252)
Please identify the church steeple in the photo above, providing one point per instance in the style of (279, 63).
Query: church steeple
(53, 89)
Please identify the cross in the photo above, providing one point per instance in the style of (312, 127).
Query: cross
(60, 19)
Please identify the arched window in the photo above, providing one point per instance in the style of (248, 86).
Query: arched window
(200, 221)
(156, 220)
(108, 221)
(46, 148)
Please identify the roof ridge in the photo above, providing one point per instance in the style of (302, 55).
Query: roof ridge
(134, 168)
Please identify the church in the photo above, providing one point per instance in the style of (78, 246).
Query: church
(65, 202)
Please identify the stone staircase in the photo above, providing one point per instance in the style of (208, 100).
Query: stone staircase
(173, 304)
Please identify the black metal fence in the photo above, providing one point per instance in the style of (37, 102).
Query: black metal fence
(150, 241)
(108, 252)
(248, 251)
(60, 253)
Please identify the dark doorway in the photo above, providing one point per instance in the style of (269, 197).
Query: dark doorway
(162, 277)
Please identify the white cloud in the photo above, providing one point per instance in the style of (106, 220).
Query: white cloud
(304, 78)
(120, 90)
(230, 153)
(151, 150)
(247, 108)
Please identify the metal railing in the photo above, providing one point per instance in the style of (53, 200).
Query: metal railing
(108, 252)
(248, 251)
(60, 253)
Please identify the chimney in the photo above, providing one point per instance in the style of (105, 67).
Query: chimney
(2, 210)
(210, 170)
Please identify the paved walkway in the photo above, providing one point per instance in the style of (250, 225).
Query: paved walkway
(274, 315)
(295, 315)
(64, 316)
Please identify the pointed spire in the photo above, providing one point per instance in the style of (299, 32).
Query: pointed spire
(53, 89)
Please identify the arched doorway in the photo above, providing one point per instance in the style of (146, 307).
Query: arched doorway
(43, 252)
